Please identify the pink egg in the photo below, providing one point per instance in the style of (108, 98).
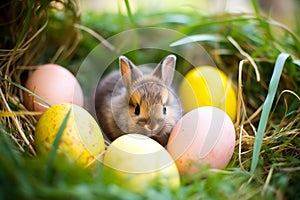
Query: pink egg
(54, 84)
(205, 135)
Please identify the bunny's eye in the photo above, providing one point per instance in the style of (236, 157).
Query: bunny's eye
(137, 109)
(164, 109)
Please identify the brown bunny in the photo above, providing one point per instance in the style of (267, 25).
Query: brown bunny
(134, 100)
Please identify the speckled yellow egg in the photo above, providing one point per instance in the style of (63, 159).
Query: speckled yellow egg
(208, 86)
(135, 162)
(82, 140)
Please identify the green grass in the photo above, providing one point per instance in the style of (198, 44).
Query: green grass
(266, 161)
(267, 108)
(66, 180)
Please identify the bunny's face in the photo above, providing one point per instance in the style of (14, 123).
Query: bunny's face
(149, 107)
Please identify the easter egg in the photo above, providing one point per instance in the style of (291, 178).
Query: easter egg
(54, 84)
(208, 86)
(81, 142)
(203, 136)
(136, 162)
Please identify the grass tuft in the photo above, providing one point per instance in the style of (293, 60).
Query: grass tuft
(279, 64)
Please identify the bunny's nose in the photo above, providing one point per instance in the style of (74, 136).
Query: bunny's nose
(151, 126)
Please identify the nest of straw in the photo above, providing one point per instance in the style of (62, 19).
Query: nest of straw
(27, 39)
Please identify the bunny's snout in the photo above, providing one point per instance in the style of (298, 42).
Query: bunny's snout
(151, 126)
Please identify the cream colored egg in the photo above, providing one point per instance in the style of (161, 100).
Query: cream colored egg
(137, 161)
(204, 136)
(82, 141)
(54, 84)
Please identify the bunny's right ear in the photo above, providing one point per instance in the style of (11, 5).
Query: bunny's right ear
(165, 69)
(129, 71)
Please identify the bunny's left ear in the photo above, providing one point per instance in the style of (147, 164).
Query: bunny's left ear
(165, 69)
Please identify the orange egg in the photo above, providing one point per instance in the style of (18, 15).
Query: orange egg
(54, 84)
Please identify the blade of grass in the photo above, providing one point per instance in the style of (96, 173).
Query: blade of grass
(11, 163)
(255, 7)
(129, 13)
(279, 64)
(199, 38)
(26, 90)
(7, 149)
(297, 63)
(54, 148)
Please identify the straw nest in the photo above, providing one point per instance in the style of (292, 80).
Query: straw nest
(28, 40)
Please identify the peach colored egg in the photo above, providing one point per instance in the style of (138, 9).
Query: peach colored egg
(205, 135)
(54, 84)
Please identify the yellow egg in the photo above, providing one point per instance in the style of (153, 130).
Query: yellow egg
(82, 140)
(137, 161)
(208, 86)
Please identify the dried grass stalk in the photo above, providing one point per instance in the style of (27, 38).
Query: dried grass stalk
(25, 24)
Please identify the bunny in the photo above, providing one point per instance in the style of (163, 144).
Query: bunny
(138, 100)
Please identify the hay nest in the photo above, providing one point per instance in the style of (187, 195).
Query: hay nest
(27, 40)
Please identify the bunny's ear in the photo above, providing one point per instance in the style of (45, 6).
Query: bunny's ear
(129, 71)
(165, 69)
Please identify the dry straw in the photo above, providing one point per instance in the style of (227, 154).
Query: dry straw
(25, 26)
